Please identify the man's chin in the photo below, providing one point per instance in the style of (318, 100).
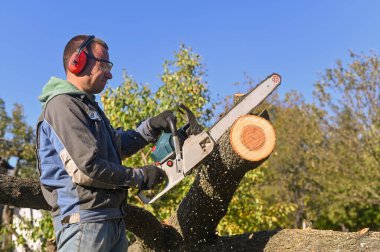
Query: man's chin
(98, 89)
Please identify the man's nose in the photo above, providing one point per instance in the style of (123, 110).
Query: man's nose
(109, 75)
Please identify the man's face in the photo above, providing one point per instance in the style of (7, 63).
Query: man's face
(100, 69)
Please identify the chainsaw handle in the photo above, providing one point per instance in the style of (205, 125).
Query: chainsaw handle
(195, 127)
(172, 178)
(143, 198)
(177, 146)
(172, 126)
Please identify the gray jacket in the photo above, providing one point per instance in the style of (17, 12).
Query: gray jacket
(79, 158)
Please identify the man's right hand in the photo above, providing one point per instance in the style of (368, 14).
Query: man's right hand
(152, 177)
(160, 122)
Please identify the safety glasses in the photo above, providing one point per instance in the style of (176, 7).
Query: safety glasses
(104, 66)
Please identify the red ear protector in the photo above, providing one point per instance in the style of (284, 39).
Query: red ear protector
(78, 60)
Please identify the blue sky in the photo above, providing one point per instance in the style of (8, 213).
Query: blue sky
(297, 39)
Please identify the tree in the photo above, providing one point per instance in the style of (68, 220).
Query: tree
(350, 93)
(16, 143)
(16, 138)
(326, 162)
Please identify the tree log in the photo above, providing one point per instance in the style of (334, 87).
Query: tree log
(252, 137)
(323, 240)
(290, 240)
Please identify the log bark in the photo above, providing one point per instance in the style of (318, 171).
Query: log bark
(323, 240)
(20, 192)
(290, 240)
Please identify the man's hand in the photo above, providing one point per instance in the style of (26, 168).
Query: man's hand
(152, 177)
(160, 122)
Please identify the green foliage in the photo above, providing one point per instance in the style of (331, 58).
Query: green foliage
(183, 83)
(248, 212)
(293, 173)
(4, 119)
(17, 140)
(23, 135)
(326, 162)
(351, 95)
(36, 230)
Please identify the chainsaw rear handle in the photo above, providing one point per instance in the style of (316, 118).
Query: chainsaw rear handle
(195, 127)
(172, 126)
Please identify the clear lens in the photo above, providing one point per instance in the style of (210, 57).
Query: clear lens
(105, 67)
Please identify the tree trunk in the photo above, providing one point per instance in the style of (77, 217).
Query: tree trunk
(7, 216)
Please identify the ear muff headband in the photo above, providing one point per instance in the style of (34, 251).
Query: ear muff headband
(78, 60)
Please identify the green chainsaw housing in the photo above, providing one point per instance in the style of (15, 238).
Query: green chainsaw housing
(164, 148)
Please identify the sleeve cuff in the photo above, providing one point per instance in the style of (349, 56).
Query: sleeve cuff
(140, 178)
(146, 131)
(134, 178)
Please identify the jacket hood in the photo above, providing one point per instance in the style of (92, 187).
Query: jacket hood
(56, 86)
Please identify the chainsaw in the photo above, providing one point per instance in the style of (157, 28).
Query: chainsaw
(183, 149)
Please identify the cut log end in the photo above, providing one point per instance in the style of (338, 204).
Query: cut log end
(252, 137)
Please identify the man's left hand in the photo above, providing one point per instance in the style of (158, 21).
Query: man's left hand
(152, 176)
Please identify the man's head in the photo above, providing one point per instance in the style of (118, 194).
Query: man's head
(96, 71)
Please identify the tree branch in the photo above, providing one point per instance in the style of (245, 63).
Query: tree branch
(21, 192)
(150, 233)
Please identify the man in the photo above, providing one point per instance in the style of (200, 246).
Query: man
(79, 153)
